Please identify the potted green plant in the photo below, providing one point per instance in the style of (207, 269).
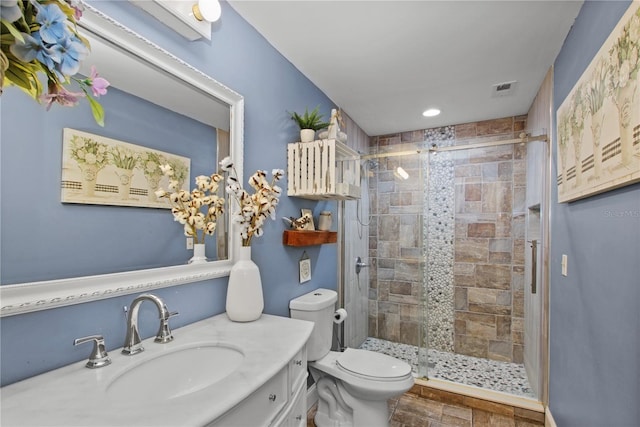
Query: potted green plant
(309, 123)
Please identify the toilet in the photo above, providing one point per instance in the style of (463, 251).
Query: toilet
(354, 385)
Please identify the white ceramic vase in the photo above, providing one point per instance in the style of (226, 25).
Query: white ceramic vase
(198, 254)
(244, 292)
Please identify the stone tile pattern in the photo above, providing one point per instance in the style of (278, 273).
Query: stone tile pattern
(395, 242)
(475, 242)
(397, 252)
(489, 242)
(424, 406)
(506, 377)
(439, 229)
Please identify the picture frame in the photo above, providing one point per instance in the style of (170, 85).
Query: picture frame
(97, 170)
(305, 268)
(598, 123)
(309, 226)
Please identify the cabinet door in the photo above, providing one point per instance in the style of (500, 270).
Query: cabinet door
(298, 412)
(261, 407)
(298, 370)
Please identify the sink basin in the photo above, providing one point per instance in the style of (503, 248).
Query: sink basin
(177, 373)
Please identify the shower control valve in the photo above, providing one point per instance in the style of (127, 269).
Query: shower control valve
(360, 265)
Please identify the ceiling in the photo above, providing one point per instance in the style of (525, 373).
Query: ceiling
(385, 62)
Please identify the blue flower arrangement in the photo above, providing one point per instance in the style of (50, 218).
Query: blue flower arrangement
(41, 36)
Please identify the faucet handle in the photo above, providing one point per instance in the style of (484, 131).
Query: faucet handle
(99, 356)
(164, 333)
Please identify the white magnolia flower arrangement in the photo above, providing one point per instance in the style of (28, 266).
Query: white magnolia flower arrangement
(254, 208)
(197, 210)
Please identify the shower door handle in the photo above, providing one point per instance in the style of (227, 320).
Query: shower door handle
(360, 265)
(534, 265)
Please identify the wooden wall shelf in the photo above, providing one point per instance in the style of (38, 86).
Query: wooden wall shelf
(308, 238)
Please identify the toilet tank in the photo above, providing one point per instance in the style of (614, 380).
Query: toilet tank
(318, 307)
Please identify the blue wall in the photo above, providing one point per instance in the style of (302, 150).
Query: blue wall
(594, 313)
(65, 231)
(240, 58)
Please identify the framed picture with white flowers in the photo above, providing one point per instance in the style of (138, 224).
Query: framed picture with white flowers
(103, 171)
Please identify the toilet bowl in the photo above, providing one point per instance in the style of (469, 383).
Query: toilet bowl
(355, 385)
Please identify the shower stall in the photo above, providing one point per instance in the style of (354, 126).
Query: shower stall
(451, 235)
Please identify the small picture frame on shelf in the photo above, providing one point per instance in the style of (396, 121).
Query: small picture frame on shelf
(309, 225)
(305, 268)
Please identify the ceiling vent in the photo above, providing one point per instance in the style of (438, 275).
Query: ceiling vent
(503, 89)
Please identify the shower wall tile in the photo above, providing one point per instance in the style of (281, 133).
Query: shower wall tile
(467, 130)
(518, 353)
(481, 229)
(460, 299)
(471, 250)
(468, 171)
(497, 197)
(495, 127)
(504, 224)
(415, 136)
(475, 279)
(410, 332)
(503, 328)
(400, 288)
(517, 278)
(493, 276)
(383, 141)
(471, 346)
(500, 350)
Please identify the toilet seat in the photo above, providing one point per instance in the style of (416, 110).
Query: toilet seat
(373, 366)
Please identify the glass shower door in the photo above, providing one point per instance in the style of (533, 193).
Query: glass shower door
(477, 222)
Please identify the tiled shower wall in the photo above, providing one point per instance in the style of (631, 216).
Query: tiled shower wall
(475, 269)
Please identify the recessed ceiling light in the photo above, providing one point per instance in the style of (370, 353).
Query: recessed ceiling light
(431, 112)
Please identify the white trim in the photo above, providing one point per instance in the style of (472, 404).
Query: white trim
(548, 418)
(36, 296)
(29, 297)
(312, 396)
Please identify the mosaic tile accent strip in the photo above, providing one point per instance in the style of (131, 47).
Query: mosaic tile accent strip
(490, 374)
(439, 230)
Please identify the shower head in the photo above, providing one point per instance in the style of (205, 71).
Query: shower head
(371, 164)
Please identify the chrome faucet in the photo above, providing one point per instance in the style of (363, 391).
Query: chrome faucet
(132, 341)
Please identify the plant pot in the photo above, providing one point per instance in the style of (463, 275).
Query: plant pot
(307, 135)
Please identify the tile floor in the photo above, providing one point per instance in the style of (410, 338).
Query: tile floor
(490, 374)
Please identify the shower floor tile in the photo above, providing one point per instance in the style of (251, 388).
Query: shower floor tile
(490, 374)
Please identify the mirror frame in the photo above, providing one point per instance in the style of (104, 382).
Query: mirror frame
(43, 295)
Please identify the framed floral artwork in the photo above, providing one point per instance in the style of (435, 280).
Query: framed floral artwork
(598, 124)
(104, 171)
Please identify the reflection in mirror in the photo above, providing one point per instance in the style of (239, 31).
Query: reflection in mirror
(93, 251)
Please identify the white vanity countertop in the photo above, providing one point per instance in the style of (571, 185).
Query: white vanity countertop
(76, 396)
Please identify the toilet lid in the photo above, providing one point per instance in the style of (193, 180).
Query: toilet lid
(373, 365)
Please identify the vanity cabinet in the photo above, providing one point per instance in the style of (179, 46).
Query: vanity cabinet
(280, 402)
(215, 373)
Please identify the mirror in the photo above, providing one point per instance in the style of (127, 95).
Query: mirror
(129, 62)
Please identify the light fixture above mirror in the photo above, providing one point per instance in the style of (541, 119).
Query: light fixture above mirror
(207, 10)
(190, 18)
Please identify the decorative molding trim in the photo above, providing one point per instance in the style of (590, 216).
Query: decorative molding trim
(548, 418)
(35, 296)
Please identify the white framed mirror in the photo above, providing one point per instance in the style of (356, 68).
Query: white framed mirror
(201, 98)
